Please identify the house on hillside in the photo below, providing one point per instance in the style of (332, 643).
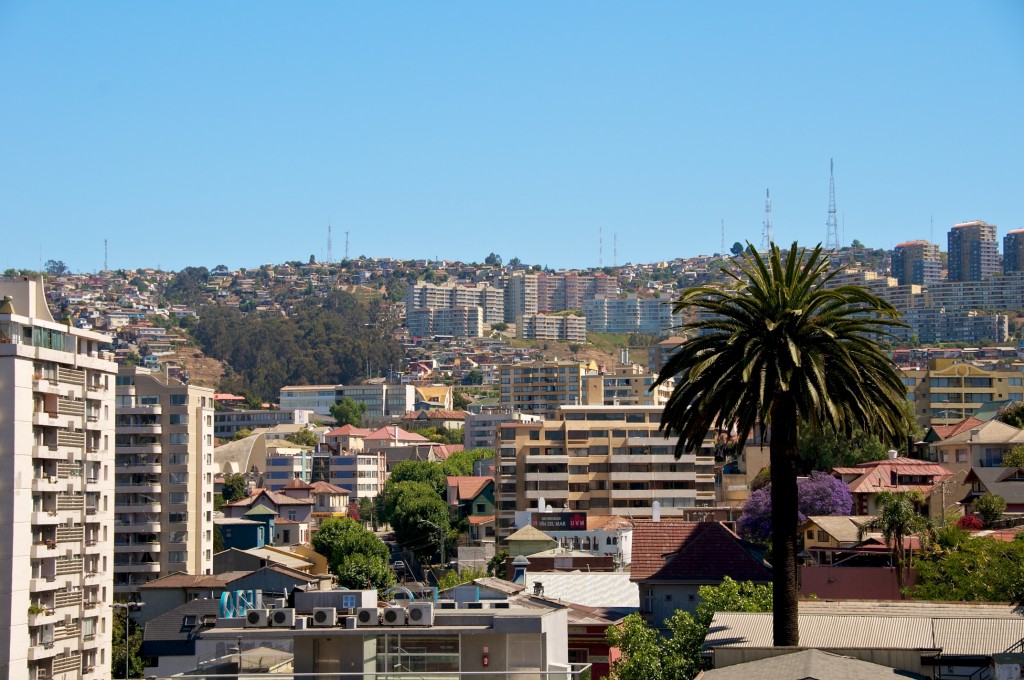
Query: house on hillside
(898, 474)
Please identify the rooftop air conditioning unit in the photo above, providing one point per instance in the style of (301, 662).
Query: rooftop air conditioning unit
(421, 614)
(324, 616)
(367, 616)
(282, 618)
(394, 616)
(256, 618)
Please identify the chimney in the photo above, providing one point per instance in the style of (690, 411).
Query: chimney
(656, 511)
(893, 454)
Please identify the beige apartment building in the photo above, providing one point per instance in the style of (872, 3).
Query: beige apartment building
(163, 479)
(949, 391)
(625, 385)
(57, 477)
(610, 460)
(540, 387)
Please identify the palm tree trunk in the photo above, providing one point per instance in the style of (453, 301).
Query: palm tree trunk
(785, 586)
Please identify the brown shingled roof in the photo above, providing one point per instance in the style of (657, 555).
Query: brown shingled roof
(704, 552)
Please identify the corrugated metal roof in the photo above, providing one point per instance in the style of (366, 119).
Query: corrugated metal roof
(741, 629)
(973, 637)
(955, 629)
(809, 663)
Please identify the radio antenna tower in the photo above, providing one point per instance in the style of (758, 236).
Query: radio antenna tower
(346, 245)
(832, 224)
(766, 233)
(330, 245)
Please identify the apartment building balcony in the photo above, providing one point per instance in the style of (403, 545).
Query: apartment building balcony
(151, 487)
(46, 452)
(137, 547)
(67, 598)
(72, 663)
(48, 484)
(546, 494)
(70, 534)
(139, 429)
(48, 518)
(137, 568)
(136, 527)
(70, 376)
(140, 410)
(71, 439)
(141, 449)
(630, 494)
(541, 477)
(44, 584)
(44, 650)
(45, 385)
(46, 419)
(70, 407)
(137, 506)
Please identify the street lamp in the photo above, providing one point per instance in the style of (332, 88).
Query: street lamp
(127, 607)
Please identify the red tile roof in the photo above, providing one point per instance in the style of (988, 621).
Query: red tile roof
(702, 552)
(947, 431)
(468, 488)
(348, 430)
(296, 483)
(876, 475)
(393, 433)
(325, 487)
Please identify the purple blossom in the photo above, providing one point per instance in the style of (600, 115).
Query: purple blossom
(819, 494)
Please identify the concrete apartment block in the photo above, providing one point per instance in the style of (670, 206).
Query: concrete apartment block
(57, 483)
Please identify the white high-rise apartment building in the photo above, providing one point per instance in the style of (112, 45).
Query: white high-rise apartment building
(57, 500)
(163, 479)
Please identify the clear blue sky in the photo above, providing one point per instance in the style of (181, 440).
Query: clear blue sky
(201, 133)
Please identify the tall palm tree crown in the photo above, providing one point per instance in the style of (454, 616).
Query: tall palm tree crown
(779, 348)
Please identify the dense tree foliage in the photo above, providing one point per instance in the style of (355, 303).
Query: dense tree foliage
(1013, 415)
(646, 655)
(332, 340)
(304, 437)
(825, 450)
(497, 565)
(427, 472)
(978, 569)
(1014, 457)
(818, 494)
(991, 508)
(134, 663)
(356, 556)
(454, 577)
(460, 463)
(419, 518)
(235, 487)
(188, 287)
(348, 411)
(779, 347)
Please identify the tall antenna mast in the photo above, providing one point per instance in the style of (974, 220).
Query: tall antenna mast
(346, 246)
(766, 233)
(832, 224)
(330, 245)
(931, 229)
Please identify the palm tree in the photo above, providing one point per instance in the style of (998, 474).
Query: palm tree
(776, 347)
(897, 519)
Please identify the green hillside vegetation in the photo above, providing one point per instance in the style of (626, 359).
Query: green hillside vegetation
(332, 340)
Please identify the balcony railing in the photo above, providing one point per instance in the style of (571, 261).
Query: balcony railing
(70, 376)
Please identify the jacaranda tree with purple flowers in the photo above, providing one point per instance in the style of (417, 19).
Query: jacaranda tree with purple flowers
(819, 494)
